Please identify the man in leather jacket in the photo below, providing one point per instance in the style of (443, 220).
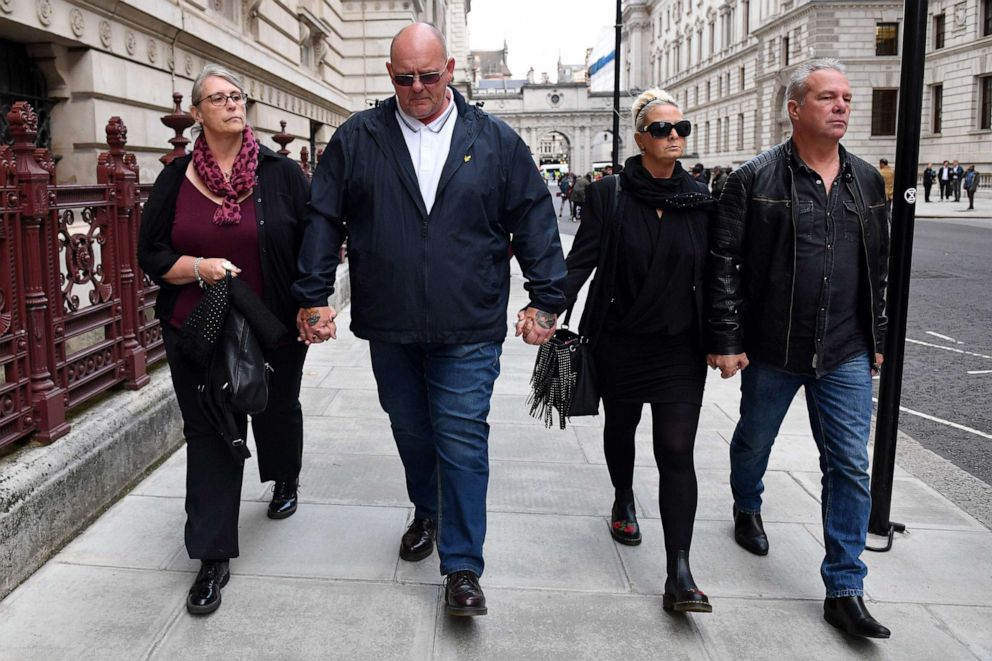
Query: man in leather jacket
(796, 284)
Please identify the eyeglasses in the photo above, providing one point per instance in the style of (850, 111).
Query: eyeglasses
(220, 99)
(407, 79)
(664, 129)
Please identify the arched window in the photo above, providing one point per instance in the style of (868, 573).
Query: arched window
(21, 80)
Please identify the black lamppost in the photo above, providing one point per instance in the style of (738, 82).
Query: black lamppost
(900, 266)
(616, 88)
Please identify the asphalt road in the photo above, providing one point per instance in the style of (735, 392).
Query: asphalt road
(948, 368)
(947, 374)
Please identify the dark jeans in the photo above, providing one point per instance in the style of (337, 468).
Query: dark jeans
(437, 397)
(956, 187)
(213, 474)
(971, 199)
(926, 191)
(839, 406)
(945, 189)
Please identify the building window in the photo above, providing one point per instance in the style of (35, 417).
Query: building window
(726, 133)
(883, 112)
(699, 45)
(688, 51)
(695, 97)
(719, 87)
(706, 138)
(742, 78)
(713, 36)
(678, 57)
(709, 87)
(740, 132)
(719, 123)
(986, 18)
(886, 39)
(937, 92)
(938, 31)
(985, 107)
(746, 9)
(785, 51)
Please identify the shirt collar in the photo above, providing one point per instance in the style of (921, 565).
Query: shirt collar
(415, 125)
(797, 162)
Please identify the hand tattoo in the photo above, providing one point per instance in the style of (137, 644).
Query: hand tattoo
(545, 320)
(313, 316)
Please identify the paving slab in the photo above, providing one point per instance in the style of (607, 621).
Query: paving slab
(315, 401)
(527, 443)
(933, 567)
(350, 378)
(549, 488)
(913, 503)
(73, 612)
(565, 626)
(140, 532)
(319, 541)
(313, 620)
(793, 629)
(353, 480)
(784, 499)
(970, 625)
(360, 404)
(347, 435)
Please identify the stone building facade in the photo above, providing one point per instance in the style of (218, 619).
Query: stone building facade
(728, 61)
(310, 63)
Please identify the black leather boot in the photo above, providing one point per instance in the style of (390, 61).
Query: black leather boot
(623, 520)
(418, 541)
(463, 595)
(749, 532)
(850, 615)
(681, 593)
(204, 596)
(284, 500)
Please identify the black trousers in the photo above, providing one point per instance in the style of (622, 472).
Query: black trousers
(213, 474)
(926, 191)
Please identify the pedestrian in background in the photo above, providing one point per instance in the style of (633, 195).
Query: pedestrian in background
(957, 175)
(810, 213)
(430, 278)
(719, 180)
(928, 176)
(579, 194)
(889, 177)
(971, 185)
(643, 319)
(203, 220)
(944, 176)
(564, 191)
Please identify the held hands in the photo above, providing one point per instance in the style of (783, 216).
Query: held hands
(876, 368)
(316, 324)
(536, 326)
(728, 365)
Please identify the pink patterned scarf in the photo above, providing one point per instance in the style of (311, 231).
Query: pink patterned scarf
(242, 176)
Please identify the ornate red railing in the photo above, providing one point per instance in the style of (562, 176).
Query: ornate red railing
(76, 311)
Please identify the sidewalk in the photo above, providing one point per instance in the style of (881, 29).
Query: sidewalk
(954, 210)
(327, 582)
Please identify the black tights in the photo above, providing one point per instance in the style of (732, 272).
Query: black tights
(674, 431)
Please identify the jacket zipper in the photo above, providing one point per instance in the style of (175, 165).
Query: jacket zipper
(792, 287)
(862, 211)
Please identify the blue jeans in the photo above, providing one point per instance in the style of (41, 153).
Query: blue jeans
(839, 407)
(437, 397)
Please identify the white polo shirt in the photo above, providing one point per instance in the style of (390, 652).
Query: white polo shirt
(428, 145)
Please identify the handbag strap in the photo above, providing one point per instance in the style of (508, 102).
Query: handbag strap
(611, 220)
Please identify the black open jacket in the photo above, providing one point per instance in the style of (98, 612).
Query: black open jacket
(751, 270)
(596, 247)
(280, 203)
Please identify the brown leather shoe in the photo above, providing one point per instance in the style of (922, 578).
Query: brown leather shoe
(418, 541)
(463, 594)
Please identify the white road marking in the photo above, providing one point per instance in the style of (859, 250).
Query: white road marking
(940, 421)
(940, 346)
(979, 371)
(944, 337)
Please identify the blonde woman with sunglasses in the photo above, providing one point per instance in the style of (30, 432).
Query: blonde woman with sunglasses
(647, 243)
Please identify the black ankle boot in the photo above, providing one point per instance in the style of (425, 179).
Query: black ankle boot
(204, 596)
(284, 500)
(681, 593)
(623, 520)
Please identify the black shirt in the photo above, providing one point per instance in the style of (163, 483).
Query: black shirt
(828, 276)
(654, 280)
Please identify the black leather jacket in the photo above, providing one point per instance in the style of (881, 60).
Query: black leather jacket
(751, 267)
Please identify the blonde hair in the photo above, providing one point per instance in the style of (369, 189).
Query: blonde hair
(649, 98)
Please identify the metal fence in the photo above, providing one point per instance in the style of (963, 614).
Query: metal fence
(76, 311)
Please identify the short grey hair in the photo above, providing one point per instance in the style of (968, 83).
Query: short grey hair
(798, 86)
(647, 99)
(214, 70)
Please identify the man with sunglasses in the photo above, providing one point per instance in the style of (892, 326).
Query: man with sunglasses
(432, 193)
(797, 298)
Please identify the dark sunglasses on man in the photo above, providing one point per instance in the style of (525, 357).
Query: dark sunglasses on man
(407, 79)
(660, 130)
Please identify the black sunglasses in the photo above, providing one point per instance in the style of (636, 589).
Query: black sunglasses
(664, 129)
(407, 79)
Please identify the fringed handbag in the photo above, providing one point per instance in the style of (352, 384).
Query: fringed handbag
(563, 379)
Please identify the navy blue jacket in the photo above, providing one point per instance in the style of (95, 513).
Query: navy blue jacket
(438, 277)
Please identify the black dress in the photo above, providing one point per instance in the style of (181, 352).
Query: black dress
(650, 349)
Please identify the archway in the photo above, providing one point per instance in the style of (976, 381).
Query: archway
(554, 155)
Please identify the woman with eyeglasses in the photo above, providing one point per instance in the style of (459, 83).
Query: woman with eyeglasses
(232, 206)
(643, 317)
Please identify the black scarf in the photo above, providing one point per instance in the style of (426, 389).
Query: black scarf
(677, 192)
